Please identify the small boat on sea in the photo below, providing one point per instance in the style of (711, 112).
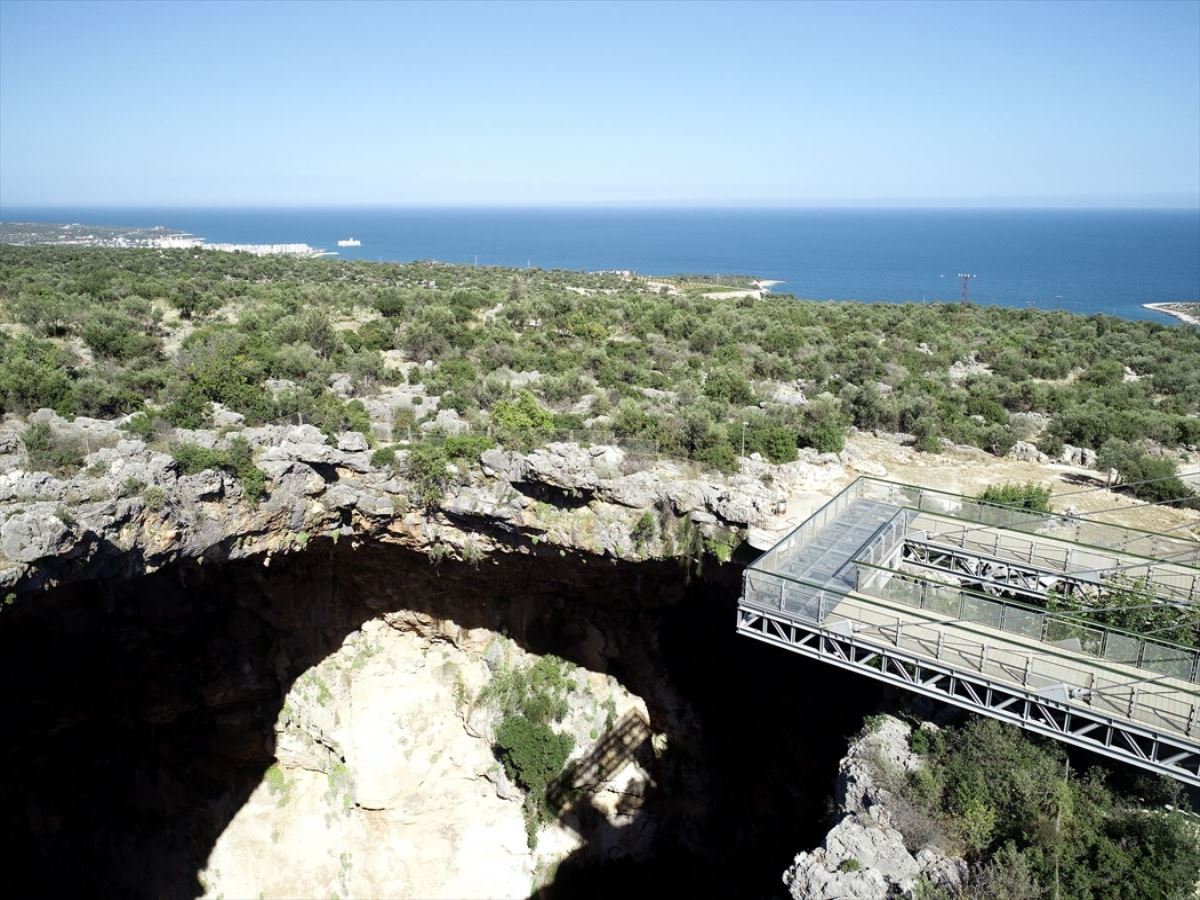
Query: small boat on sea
(350, 242)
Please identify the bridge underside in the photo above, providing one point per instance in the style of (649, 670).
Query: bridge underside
(1042, 714)
(919, 589)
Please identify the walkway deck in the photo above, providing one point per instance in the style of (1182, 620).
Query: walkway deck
(826, 591)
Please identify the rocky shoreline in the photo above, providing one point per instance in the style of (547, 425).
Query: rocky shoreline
(1172, 309)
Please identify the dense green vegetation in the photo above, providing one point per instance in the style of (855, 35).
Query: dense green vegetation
(1030, 496)
(530, 699)
(1151, 478)
(102, 332)
(1129, 603)
(237, 459)
(1033, 828)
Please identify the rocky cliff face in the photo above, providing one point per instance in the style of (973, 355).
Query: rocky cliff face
(385, 783)
(870, 854)
(209, 695)
(300, 721)
(131, 511)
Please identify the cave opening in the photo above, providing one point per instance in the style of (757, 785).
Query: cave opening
(140, 712)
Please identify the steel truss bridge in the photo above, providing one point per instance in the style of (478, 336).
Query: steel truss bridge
(945, 596)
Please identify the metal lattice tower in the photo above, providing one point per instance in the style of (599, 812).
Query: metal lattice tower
(966, 282)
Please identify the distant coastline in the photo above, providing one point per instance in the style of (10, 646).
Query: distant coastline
(157, 237)
(1081, 262)
(1184, 312)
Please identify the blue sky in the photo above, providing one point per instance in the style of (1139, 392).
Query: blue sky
(1080, 104)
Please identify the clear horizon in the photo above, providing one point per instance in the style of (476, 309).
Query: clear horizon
(584, 206)
(754, 105)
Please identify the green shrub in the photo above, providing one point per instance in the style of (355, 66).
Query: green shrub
(1151, 478)
(926, 740)
(532, 752)
(776, 442)
(237, 459)
(467, 446)
(521, 422)
(49, 453)
(426, 469)
(643, 531)
(141, 426)
(1051, 445)
(1008, 801)
(1029, 496)
(384, 458)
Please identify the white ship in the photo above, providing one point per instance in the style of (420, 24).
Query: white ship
(350, 242)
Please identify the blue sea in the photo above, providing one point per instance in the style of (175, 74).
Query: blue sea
(1083, 261)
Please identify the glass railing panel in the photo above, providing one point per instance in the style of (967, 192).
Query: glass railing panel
(1167, 660)
(1122, 648)
(943, 600)
(1072, 635)
(1025, 622)
(981, 611)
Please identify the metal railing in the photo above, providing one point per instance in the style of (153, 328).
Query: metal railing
(1161, 706)
(1049, 627)
(1103, 536)
(803, 534)
(1055, 557)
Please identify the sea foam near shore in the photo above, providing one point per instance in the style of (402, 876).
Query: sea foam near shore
(1167, 309)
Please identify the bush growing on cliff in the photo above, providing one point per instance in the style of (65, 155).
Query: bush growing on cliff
(643, 531)
(237, 460)
(46, 452)
(532, 752)
(529, 699)
(426, 469)
(521, 421)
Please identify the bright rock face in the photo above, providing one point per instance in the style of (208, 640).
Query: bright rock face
(386, 784)
(865, 856)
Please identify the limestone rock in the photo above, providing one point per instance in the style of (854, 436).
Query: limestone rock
(1079, 456)
(864, 855)
(789, 395)
(447, 421)
(1027, 452)
(342, 384)
(226, 418)
(352, 441)
(34, 535)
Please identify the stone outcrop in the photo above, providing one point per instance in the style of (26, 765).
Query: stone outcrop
(1027, 452)
(131, 509)
(386, 745)
(865, 856)
(1079, 456)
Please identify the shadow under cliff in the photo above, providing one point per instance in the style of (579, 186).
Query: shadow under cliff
(139, 713)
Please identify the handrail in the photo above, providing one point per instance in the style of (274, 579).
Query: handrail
(1184, 545)
(1038, 563)
(852, 489)
(1045, 666)
(1048, 615)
